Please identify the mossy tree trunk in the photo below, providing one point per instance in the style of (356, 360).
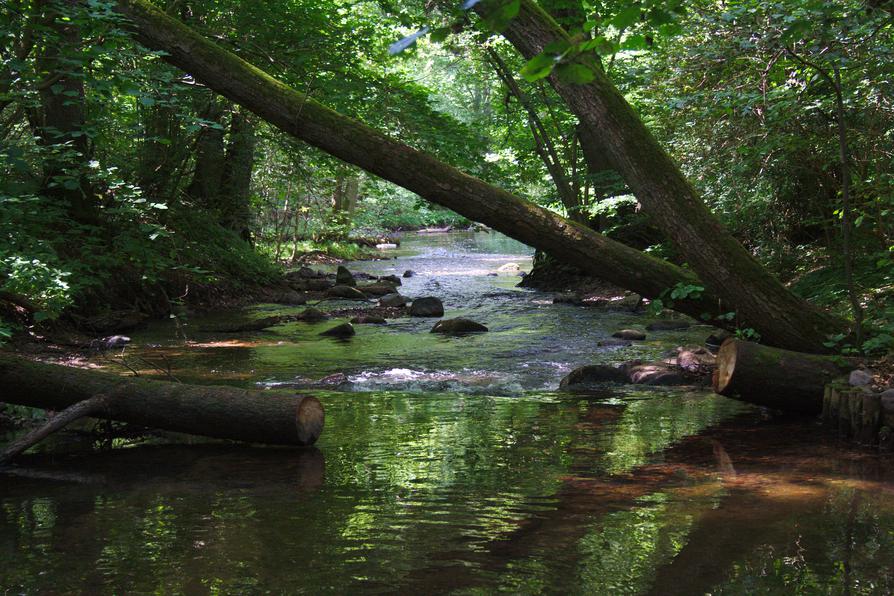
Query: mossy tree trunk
(60, 119)
(356, 143)
(235, 198)
(271, 417)
(726, 267)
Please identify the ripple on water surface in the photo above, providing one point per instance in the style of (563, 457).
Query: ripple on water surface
(446, 467)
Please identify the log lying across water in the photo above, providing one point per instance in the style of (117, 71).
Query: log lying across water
(270, 417)
(781, 379)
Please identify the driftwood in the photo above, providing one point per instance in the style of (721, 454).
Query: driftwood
(271, 417)
(89, 407)
(776, 378)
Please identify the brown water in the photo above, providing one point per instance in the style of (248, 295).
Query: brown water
(449, 465)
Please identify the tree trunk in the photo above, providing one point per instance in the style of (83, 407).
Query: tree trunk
(790, 381)
(759, 299)
(61, 117)
(207, 180)
(235, 198)
(356, 143)
(271, 417)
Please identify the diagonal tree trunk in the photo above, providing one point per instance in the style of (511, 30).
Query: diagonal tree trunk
(355, 143)
(759, 299)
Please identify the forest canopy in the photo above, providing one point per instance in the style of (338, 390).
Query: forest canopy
(129, 183)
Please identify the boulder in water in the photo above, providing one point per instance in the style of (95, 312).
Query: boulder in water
(428, 306)
(311, 315)
(343, 277)
(341, 331)
(592, 374)
(567, 298)
(391, 279)
(377, 289)
(696, 360)
(655, 373)
(631, 334)
(393, 300)
(458, 326)
(409, 273)
(346, 292)
(668, 325)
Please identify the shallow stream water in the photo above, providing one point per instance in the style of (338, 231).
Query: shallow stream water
(453, 465)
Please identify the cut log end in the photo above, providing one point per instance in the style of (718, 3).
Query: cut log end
(309, 420)
(775, 378)
(726, 364)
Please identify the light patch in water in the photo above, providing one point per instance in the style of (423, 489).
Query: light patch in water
(417, 381)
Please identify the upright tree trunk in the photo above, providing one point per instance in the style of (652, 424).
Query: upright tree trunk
(61, 117)
(759, 299)
(159, 155)
(355, 143)
(235, 198)
(207, 180)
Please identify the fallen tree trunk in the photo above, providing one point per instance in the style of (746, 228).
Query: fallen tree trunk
(351, 141)
(271, 417)
(726, 267)
(781, 379)
(89, 407)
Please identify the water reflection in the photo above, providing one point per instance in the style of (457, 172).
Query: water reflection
(479, 484)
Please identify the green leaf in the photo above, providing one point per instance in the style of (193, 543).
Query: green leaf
(634, 42)
(578, 74)
(626, 17)
(439, 34)
(538, 67)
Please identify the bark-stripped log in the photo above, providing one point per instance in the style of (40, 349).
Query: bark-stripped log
(781, 379)
(271, 417)
(351, 141)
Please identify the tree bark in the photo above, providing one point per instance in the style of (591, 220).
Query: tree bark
(759, 299)
(355, 143)
(61, 118)
(781, 379)
(272, 417)
(207, 180)
(81, 409)
(234, 204)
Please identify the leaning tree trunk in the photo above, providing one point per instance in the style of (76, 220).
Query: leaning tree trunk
(358, 144)
(780, 379)
(758, 298)
(272, 417)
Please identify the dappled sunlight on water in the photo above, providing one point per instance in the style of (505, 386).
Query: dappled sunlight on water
(451, 465)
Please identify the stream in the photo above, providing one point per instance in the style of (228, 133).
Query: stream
(452, 465)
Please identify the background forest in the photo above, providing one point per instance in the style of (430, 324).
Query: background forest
(127, 184)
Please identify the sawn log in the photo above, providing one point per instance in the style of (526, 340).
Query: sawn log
(781, 379)
(271, 417)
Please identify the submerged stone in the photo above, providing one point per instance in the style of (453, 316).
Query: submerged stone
(342, 330)
(311, 315)
(632, 334)
(592, 374)
(343, 277)
(391, 279)
(346, 292)
(393, 300)
(368, 320)
(409, 273)
(428, 306)
(458, 326)
(377, 289)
